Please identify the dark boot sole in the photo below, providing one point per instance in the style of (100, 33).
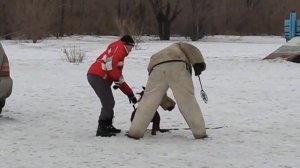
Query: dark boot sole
(105, 134)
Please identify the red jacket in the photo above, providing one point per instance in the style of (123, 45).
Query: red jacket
(109, 65)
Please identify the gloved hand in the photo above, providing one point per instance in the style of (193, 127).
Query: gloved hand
(199, 67)
(170, 108)
(116, 85)
(132, 99)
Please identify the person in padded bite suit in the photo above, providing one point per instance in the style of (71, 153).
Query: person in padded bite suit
(171, 68)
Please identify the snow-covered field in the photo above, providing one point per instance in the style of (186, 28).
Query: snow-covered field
(50, 119)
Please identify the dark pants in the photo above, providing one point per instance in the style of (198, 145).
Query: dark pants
(104, 92)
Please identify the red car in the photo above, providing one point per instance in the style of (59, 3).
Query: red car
(6, 82)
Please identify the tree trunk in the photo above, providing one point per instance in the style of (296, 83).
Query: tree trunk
(160, 29)
(166, 30)
(195, 30)
(62, 18)
(164, 17)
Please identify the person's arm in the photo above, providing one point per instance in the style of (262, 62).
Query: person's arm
(194, 56)
(118, 56)
(116, 73)
(123, 86)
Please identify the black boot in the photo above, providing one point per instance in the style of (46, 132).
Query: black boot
(106, 129)
(112, 129)
(102, 129)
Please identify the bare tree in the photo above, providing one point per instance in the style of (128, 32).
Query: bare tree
(131, 18)
(253, 14)
(6, 13)
(62, 18)
(164, 16)
(3, 19)
(199, 12)
(33, 18)
(251, 4)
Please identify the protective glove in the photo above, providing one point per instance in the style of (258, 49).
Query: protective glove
(132, 99)
(117, 85)
(198, 68)
(170, 108)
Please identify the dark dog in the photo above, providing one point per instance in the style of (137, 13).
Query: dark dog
(155, 120)
(155, 123)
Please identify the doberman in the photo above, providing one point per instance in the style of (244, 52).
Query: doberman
(155, 120)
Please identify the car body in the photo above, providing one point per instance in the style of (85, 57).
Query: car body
(6, 82)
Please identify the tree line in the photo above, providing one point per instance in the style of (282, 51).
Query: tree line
(37, 19)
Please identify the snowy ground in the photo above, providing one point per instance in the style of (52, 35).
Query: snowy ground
(50, 119)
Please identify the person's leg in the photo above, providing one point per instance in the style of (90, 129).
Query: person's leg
(181, 84)
(104, 92)
(155, 89)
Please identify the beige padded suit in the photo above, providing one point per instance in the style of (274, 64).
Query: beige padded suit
(171, 68)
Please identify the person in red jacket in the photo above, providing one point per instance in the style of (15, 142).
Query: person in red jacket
(106, 70)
